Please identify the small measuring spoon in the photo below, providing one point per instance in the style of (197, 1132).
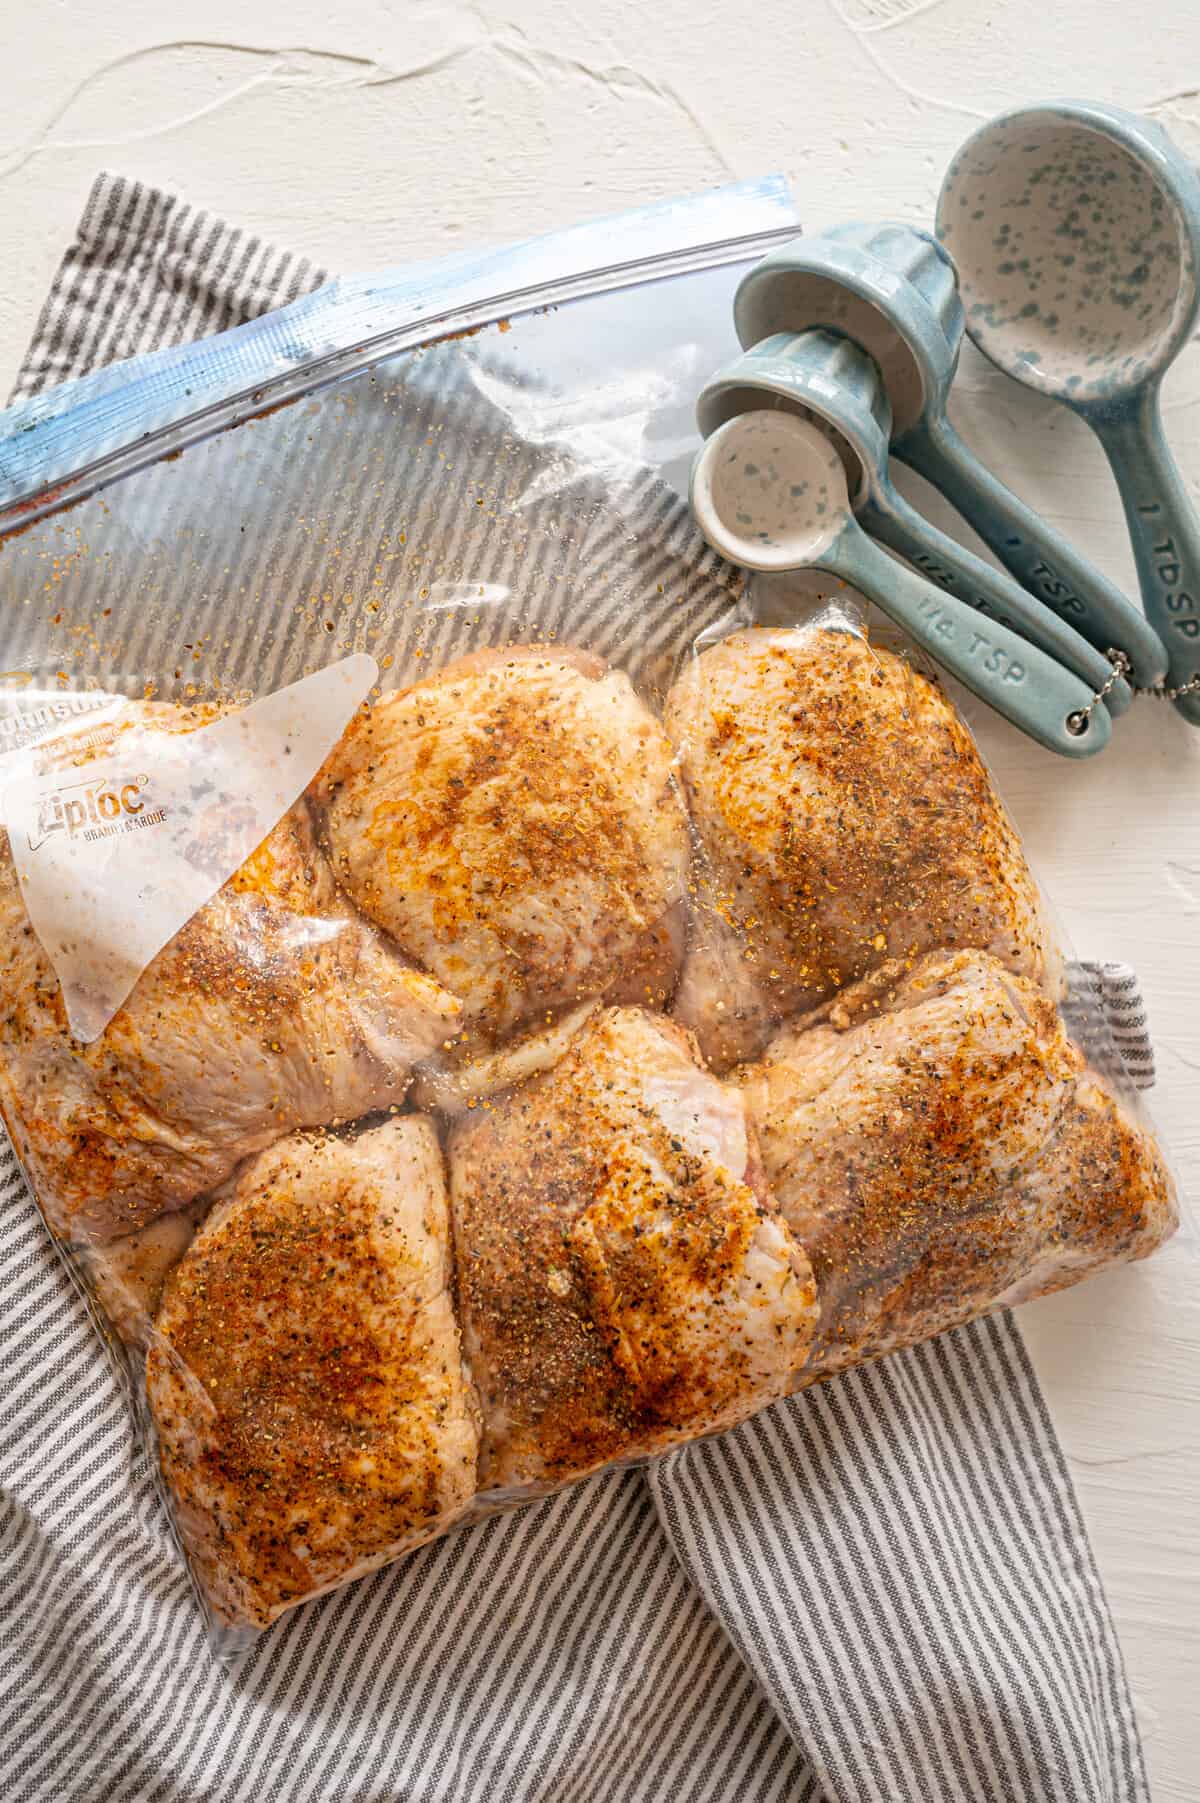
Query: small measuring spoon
(892, 289)
(768, 492)
(837, 385)
(1076, 232)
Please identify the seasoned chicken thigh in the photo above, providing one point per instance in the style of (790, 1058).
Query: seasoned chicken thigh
(938, 1148)
(846, 818)
(624, 1278)
(513, 823)
(314, 1417)
(276, 1007)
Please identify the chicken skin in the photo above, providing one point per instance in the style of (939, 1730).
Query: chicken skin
(127, 1276)
(845, 818)
(624, 1278)
(276, 1007)
(314, 1418)
(937, 1146)
(514, 824)
(1101, 1192)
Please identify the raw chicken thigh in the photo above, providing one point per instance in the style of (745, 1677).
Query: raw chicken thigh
(624, 1278)
(513, 823)
(314, 1417)
(276, 1007)
(846, 818)
(938, 1148)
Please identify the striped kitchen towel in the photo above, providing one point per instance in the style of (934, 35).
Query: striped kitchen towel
(880, 1592)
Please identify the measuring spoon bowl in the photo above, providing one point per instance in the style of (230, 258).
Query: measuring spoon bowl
(831, 381)
(893, 290)
(768, 491)
(890, 288)
(1075, 228)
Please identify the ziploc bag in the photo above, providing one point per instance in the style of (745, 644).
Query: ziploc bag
(591, 1015)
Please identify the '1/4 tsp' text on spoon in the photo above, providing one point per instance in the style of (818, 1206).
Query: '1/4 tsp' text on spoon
(768, 492)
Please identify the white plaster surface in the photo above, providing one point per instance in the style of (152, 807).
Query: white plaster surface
(367, 133)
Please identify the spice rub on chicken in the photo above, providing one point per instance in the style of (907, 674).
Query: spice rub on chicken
(937, 1145)
(845, 818)
(276, 1007)
(514, 824)
(625, 1280)
(314, 1417)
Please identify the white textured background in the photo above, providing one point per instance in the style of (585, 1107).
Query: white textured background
(363, 134)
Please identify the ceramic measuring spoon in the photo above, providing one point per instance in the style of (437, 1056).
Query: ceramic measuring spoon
(831, 381)
(768, 491)
(1076, 232)
(892, 289)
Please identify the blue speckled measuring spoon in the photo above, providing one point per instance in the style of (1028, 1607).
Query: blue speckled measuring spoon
(833, 382)
(1076, 232)
(892, 289)
(768, 492)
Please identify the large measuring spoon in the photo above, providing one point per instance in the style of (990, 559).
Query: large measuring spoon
(892, 289)
(768, 492)
(1076, 232)
(833, 382)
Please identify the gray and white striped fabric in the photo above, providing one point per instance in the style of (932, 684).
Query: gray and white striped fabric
(1118, 995)
(881, 1592)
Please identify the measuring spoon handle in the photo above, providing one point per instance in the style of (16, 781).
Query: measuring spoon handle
(993, 593)
(1165, 530)
(1040, 558)
(1019, 681)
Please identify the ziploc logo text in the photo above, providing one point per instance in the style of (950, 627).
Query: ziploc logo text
(95, 810)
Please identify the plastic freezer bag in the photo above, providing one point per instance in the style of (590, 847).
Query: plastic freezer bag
(478, 1006)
